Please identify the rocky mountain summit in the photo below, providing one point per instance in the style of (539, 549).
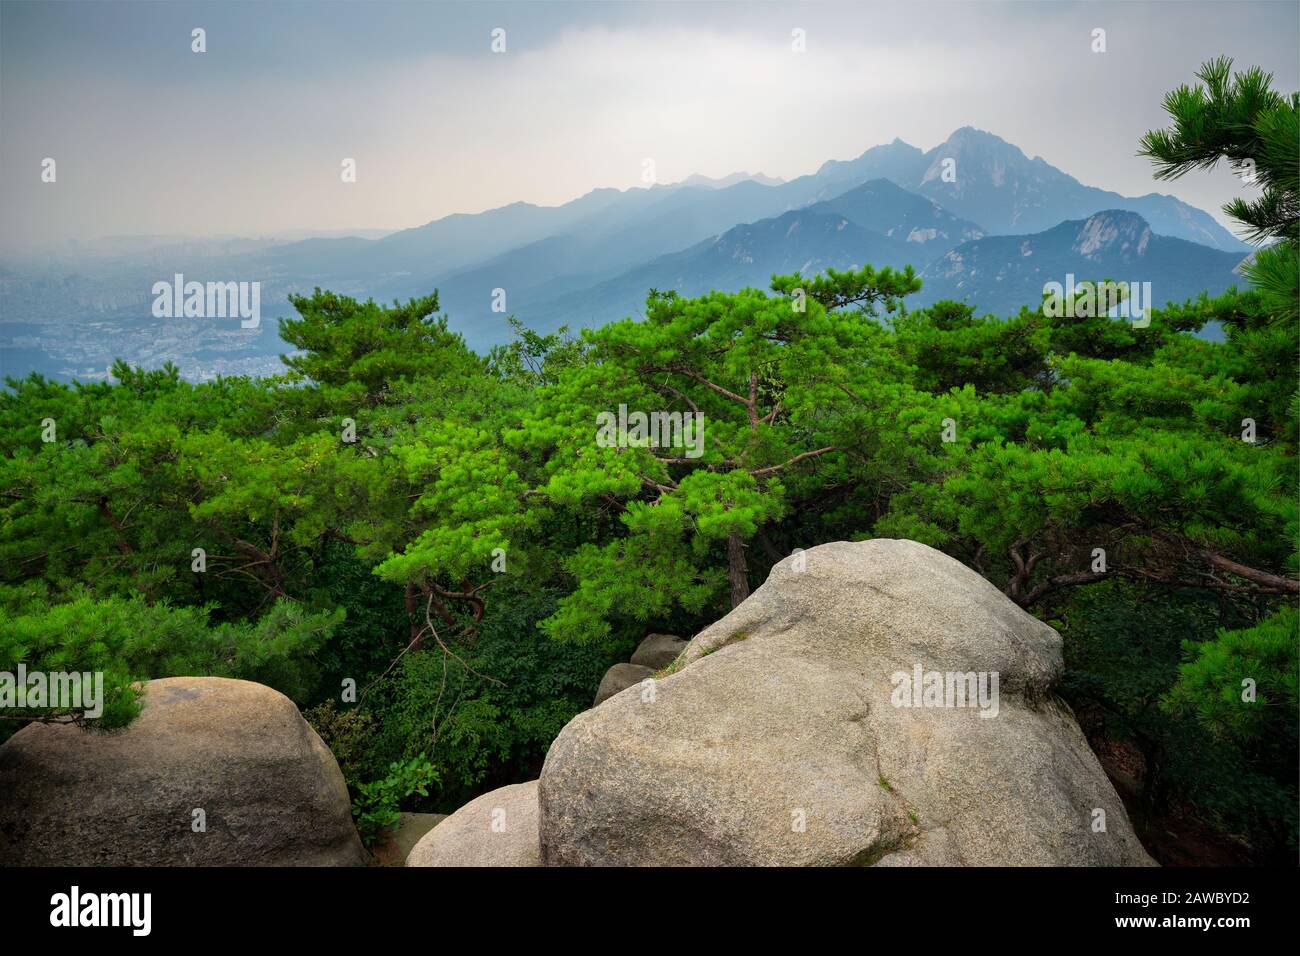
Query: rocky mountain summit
(783, 736)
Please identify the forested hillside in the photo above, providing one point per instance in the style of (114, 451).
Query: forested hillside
(430, 551)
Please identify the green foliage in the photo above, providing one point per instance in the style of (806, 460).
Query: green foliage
(1241, 119)
(1123, 648)
(868, 289)
(129, 640)
(349, 734)
(487, 715)
(534, 358)
(377, 805)
(781, 383)
(1213, 684)
(364, 350)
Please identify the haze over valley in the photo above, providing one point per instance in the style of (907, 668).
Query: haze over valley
(990, 233)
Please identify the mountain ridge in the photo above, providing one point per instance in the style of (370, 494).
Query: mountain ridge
(449, 245)
(1001, 273)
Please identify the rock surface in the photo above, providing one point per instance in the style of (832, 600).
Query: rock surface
(782, 740)
(618, 678)
(657, 651)
(496, 829)
(401, 840)
(270, 790)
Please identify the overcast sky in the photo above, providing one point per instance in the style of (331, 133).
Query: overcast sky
(247, 138)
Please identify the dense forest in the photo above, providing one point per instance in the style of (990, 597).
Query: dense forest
(430, 552)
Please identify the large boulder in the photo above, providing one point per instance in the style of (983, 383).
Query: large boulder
(786, 737)
(619, 678)
(657, 651)
(269, 790)
(496, 829)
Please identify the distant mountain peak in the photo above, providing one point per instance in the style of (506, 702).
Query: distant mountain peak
(724, 181)
(973, 155)
(973, 134)
(1112, 230)
(897, 161)
(981, 177)
(1119, 216)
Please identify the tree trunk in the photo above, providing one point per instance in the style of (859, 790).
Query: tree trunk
(415, 638)
(737, 571)
(769, 548)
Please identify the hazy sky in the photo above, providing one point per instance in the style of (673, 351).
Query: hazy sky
(247, 138)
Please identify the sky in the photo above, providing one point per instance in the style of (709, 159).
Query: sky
(248, 138)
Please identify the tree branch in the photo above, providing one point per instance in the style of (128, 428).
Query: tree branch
(772, 469)
(1272, 581)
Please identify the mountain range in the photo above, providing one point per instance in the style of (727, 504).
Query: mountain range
(995, 184)
(976, 217)
(593, 259)
(1002, 273)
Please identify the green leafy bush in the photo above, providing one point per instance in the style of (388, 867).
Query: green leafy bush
(377, 805)
(130, 640)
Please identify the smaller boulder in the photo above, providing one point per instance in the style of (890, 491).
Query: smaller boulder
(270, 791)
(620, 677)
(496, 829)
(659, 650)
